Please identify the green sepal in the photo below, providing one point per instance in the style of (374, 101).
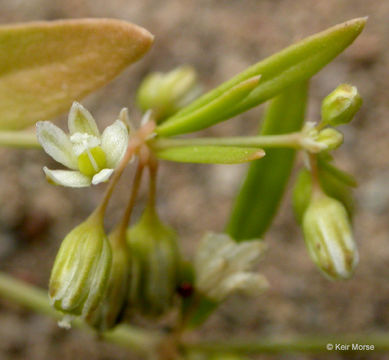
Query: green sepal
(263, 187)
(210, 154)
(296, 63)
(203, 306)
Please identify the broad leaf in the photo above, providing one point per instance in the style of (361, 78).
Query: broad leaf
(210, 154)
(262, 190)
(45, 66)
(293, 64)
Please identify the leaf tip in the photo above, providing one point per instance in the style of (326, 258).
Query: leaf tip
(259, 154)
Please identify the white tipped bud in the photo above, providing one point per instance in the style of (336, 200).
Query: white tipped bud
(328, 236)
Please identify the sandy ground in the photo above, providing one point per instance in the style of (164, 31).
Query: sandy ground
(219, 38)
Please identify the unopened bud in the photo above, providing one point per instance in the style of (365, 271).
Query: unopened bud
(167, 93)
(328, 236)
(81, 269)
(331, 138)
(107, 315)
(154, 264)
(340, 106)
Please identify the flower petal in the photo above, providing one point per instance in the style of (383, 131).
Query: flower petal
(56, 143)
(67, 178)
(244, 282)
(80, 120)
(102, 176)
(114, 142)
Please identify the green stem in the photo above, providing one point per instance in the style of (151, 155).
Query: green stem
(145, 342)
(138, 340)
(300, 344)
(291, 140)
(19, 139)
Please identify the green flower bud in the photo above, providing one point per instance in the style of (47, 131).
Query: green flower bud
(167, 93)
(328, 236)
(331, 138)
(154, 264)
(108, 313)
(340, 106)
(81, 269)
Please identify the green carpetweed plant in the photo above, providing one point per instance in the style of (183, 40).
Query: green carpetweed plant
(101, 281)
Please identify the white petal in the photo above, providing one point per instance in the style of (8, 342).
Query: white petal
(244, 282)
(102, 176)
(56, 143)
(80, 120)
(125, 118)
(67, 178)
(114, 142)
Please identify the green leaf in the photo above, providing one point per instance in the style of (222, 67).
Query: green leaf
(45, 66)
(206, 115)
(258, 199)
(293, 64)
(210, 154)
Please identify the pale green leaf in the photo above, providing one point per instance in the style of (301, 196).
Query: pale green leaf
(45, 66)
(210, 154)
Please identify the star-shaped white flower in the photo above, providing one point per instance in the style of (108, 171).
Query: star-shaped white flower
(92, 156)
(222, 267)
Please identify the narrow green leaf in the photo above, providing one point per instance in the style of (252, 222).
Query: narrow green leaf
(45, 66)
(296, 63)
(210, 154)
(258, 199)
(208, 114)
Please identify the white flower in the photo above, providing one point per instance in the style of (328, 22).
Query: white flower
(91, 156)
(221, 267)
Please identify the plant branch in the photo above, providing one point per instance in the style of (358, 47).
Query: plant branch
(138, 340)
(300, 344)
(145, 342)
(19, 139)
(292, 140)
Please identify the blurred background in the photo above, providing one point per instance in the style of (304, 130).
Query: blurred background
(219, 38)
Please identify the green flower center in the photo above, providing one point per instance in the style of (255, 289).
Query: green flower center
(91, 161)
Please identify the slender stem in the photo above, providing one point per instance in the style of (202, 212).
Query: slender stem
(292, 140)
(19, 139)
(137, 140)
(153, 169)
(145, 342)
(299, 344)
(122, 226)
(138, 340)
(316, 188)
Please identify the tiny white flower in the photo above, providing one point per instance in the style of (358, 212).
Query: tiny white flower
(222, 267)
(91, 156)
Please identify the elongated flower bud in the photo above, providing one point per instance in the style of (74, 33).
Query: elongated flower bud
(328, 236)
(340, 106)
(81, 269)
(166, 93)
(154, 264)
(107, 315)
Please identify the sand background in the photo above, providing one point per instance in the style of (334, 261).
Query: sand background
(219, 38)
